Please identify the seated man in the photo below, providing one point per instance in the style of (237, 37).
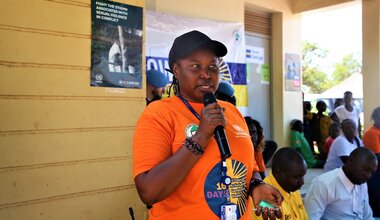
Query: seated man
(342, 193)
(299, 142)
(288, 170)
(342, 146)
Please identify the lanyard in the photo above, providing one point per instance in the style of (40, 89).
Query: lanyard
(226, 180)
(192, 110)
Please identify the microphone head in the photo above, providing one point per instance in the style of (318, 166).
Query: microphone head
(209, 98)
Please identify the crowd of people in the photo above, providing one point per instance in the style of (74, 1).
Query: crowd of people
(180, 170)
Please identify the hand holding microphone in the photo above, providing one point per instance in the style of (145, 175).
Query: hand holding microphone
(219, 133)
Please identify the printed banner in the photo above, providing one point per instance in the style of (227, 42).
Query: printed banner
(162, 29)
(292, 72)
(116, 44)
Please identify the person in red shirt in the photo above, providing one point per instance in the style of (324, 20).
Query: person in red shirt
(177, 166)
(334, 132)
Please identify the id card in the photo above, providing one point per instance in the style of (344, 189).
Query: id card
(228, 212)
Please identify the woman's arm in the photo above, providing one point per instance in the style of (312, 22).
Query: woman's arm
(164, 178)
(159, 182)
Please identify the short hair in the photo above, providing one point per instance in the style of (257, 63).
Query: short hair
(319, 103)
(363, 152)
(333, 126)
(346, 121)
(283, 157)
(307, 105)
(294, 123)
(347, 93)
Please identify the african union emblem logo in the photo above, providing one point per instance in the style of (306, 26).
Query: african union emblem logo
(190, 130)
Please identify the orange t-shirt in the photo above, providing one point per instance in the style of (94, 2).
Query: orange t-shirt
(260, 160)
(161, 131)
(371, 139)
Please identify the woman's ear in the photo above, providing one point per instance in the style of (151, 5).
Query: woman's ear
(175, 70)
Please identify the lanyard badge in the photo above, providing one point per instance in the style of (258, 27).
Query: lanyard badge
(226, 180)
(228, 212)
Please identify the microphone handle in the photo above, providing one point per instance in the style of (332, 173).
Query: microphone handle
(221, 139)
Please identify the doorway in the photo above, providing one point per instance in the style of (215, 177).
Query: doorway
(259, 81)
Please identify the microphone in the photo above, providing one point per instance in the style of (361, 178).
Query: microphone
(219, 133)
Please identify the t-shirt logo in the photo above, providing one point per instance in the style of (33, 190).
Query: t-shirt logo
(216, 193)
(190, 130)
(240, 132)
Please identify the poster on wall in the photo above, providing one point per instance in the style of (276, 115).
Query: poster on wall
(254, 54)
(116, 44)
(265, 74)
(292, 72)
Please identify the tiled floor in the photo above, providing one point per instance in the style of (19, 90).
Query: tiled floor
(310, 174)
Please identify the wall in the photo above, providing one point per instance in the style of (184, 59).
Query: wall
(371, 58)
(301, 5)
(65, 146)
(223, 10)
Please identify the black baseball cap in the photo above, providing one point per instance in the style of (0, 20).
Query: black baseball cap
(192, 41)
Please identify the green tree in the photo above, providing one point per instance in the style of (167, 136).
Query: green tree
(348, 66)
(312, 75)
(316, 80)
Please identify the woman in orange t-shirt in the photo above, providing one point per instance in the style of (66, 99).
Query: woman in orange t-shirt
(177, 165)
(371, 137)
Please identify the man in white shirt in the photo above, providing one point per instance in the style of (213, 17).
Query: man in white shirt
(342, 193)
(347, 111)
(342, 146)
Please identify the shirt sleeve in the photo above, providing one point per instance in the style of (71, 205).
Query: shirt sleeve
(338, 112)
(152, 140)
(316, 200)
(341, 150)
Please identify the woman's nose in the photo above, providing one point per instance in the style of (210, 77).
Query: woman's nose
(205, 73)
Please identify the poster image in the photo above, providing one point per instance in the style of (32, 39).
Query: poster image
(116, 44)
(292, 72)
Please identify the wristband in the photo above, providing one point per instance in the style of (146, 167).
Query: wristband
(252, 184)
(193, 147)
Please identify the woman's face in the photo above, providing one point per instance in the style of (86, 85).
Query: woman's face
(197, 74)
(254, 136)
